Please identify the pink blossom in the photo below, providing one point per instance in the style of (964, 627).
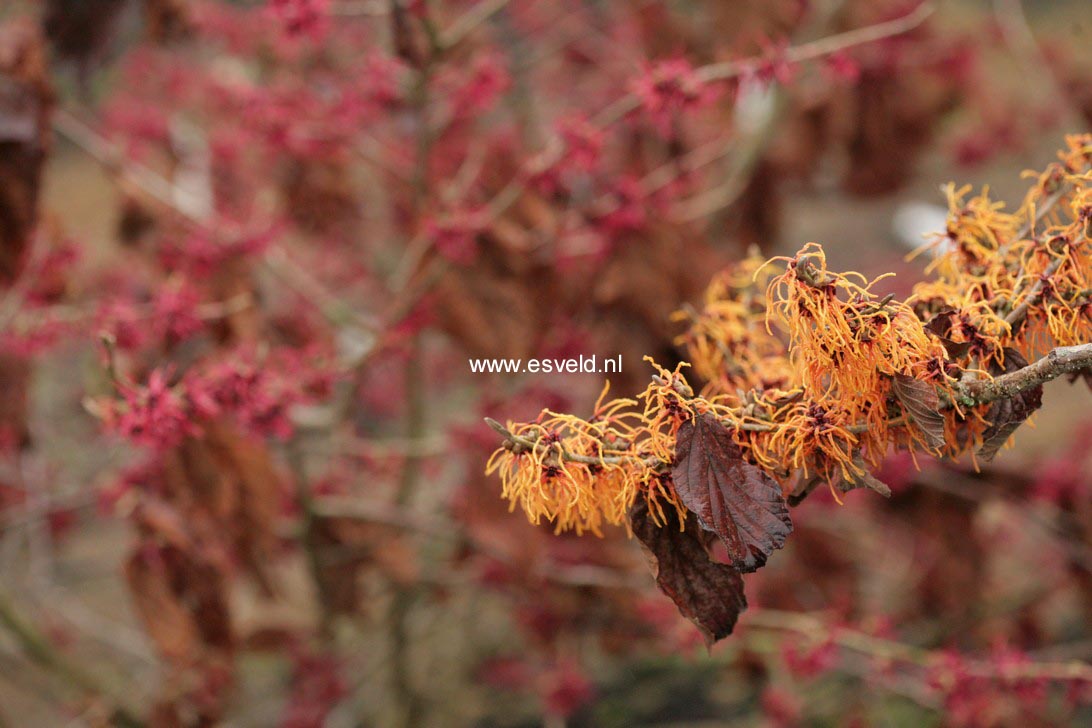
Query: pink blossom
(123, 320)
(455, 235)
(810, 660)
(26, 338)
(775, 65)
(384, 74)
(842, 67)
(629, 211)
(566, 690)
(153, 415)
(485, 81)
(669, 88)
(317, 686)
(258, 397)
(781, 706)
(300, 18)
(175, 311)
(583, 143)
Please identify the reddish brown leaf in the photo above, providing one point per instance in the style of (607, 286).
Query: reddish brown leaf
(708, 593)
(731, 497)
(940, 326)
(26, 102)
(1005, 415)
(15, 375)
(83, 33)
(167, 20)
(956, 349)
(408, 43)
(162, 609)
(1084, 375)
(919, 400)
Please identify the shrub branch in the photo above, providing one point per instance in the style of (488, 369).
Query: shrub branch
(1063, 360)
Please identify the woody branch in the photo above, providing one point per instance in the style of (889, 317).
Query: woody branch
(1060, 361)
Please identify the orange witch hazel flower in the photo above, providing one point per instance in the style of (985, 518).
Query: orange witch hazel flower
(811, 377)
(728, 342)
(580, 474)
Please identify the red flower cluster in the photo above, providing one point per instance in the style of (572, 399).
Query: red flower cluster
(154, 415)
(301, 18)
(668, 89)
(256, 395)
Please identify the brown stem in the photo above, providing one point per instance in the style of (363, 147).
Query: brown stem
(1060, 361)
(470, 20)
(1063, 360)
(825, 46)
(407, 701)
(310, 538)
(530, 445)
(1017, 315)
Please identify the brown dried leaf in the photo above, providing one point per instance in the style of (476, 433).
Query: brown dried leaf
(940, 326)
(1084, 375)
(956, 349)
(919, 400)
(1006, 415)
(168, 20)
(82, 32)
(14, 387)
(228, 492)
(169, 623)
(339, 570)
(803, 489)
(26, 100)
(731, 497)
(707, 593)
(320, 198)
(891, 119)
(489, 311)
(159, 518)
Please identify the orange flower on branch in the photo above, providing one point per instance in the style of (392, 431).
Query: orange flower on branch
(813, 377)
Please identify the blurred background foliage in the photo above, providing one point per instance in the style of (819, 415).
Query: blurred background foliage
(314, 212)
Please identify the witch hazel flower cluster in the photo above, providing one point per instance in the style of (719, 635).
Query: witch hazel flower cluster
(170, 316)
(257, 395)
(670, 88)
(154, 415)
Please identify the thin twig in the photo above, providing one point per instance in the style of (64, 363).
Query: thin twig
(39, 650)
(354, 8)
(1035, 295)
(1018, 314)
(470, 20)
(886, 649)
(1017, 34)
